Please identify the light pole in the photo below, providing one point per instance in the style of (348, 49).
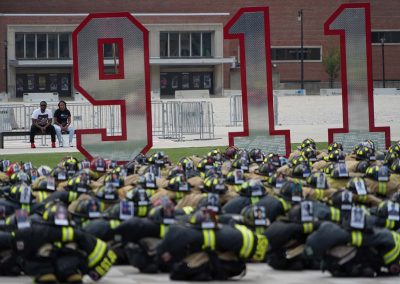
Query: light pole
(300, 19)
(383, 61)
(6, 64)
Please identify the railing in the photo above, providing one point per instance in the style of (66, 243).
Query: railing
(171, 119)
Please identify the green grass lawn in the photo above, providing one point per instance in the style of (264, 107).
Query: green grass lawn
(174, 154)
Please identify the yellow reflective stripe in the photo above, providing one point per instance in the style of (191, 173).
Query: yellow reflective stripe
(335, 214)
(394, 252)
(40, 197)
(142, 212)
(114, 223)
(382, 187)
(356, 238)
(254, 200)
(102, 206)
(389, 224)
(67, 234)
(237, 188)
(72, 196)
(286, 206)
(163, 230)
(260, 230)
(208, 239)
(248, 241)
(261, 249)
(362, 198)
(178, 195)
(308, 228)
(319, 194)
(26, 207)
(188, 209)
(97, 253)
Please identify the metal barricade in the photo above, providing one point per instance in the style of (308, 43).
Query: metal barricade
(236, 110)
(171, 119)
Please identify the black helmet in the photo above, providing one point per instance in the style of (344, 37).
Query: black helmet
(235, 176)
(20, 177)
(299, 159)
(254, 216)
(230, 152)
(364, 153)
(79, 184)
(214, 185)
(318, 180)
(395, 166)
(252, 188)
(59, 173)
(292, 191)
(266, 169)
(44, 170)
(4, 165)
(215, 154)
(274, 159)
(186, 164)
(115, 178)
(21, 193)
(395, 148)
(301, 170)
(138, 195)
(335, 156)
(242, 154)
(44, 184)
(241, 164)
(335, 146)
(277, 180)
(203, 219)
(164, 212)
(212, 172)
(57, 214)
(357, 186)
(256, 155)
(158, 158)
(308, 142)
(107, 193)
(389, 158)
(339, 170)
(178, 183)
(342, 199)
(362, 166)
(205, 164)
(148, 180)
(88, 208)
(309, 153)
(71, 165)
(378, 173)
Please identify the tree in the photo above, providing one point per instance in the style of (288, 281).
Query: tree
(331, 62)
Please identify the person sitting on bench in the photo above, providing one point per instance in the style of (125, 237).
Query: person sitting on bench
(62, 123)
(41, 123)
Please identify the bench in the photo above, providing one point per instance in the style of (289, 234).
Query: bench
(15, 133)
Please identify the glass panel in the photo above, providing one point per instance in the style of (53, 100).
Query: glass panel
(294, 54)
(196, 44)
(174, 44)
(30, 46)
(163, 44)
(64, 45)
(108, 51)
(185, 44)
(41, 46)
(206, 44)
(19, 46)
(390, 37)
(53, 45)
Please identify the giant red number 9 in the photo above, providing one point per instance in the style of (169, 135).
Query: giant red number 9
(128, 86)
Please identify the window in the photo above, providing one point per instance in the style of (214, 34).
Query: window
(19, 45)
(185, 44)
(294, 54)
(42, 45)
(30, 46)
(389, 36)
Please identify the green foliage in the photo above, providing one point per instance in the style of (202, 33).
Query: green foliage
(331, 63)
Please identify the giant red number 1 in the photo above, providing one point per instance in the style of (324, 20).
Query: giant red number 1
(352, 22)
(128, 87)
(251, 27)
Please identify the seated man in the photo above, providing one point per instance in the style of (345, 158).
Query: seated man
(41, 122)
(62, 123)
